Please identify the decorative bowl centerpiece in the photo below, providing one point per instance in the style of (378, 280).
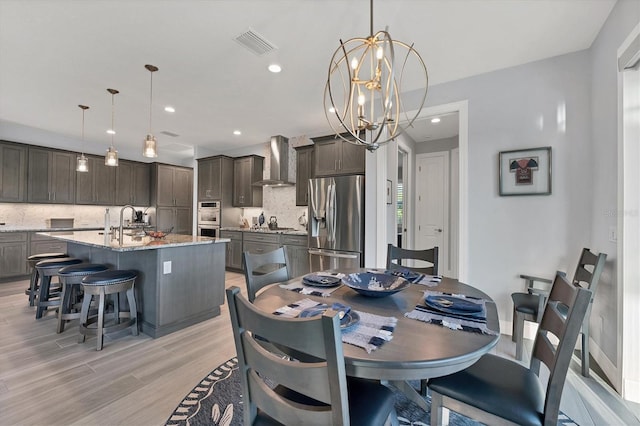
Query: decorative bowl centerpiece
(157, 234)
(375, 285)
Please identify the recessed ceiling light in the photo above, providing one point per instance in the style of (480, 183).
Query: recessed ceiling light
(435, 120)
(111, 132)
(169, 108)
(275, 68)
(237, 132)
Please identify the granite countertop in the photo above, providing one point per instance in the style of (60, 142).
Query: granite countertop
(266, 230)
(130, 242)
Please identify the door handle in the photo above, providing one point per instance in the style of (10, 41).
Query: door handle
(340, 255)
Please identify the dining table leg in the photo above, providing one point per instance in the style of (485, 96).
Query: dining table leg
(410, 392)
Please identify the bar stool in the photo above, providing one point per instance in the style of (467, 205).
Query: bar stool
(32, 291)
(71, 279)
(47, 269)
(100, 285)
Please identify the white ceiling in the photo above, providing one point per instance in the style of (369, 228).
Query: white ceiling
(56, 54)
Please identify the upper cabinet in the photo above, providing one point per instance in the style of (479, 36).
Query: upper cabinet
(246, 171)
(304, 171)
(13, 172)
(172, 186)
(215, 179)
(51, 176)
(334, 157)
(98, 185)
(133, 183)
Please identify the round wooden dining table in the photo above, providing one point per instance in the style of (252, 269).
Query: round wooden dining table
(418, 350)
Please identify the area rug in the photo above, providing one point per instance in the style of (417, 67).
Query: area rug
(217, 400)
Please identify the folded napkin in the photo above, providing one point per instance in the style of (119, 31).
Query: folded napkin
(458, 316)
(371, 332)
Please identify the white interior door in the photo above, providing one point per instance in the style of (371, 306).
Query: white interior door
(432, 205)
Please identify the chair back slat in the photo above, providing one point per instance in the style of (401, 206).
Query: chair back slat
(566, 328)
(395, 256)
(323, 379)
(261, 269)
(589, 269)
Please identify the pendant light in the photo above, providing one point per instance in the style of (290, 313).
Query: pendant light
(363, 94)
(82, 163)
(111, 157)
(149, 145)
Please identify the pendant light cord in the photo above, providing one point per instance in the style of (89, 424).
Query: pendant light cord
(150, 101)
(112, 113)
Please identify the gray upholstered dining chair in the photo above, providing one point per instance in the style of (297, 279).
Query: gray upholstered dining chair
(261, 269)
(300, 392)
(530, 306)
(498, 390)
(395, 256)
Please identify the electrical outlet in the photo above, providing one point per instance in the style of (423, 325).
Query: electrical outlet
(613, 234)
(166, 267)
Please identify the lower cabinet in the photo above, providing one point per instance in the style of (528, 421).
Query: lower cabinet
(13, 254)
(298, 253)
(233, 259)
(41, 244)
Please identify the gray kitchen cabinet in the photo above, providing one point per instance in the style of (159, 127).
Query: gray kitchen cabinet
(42, 244)
(233, 258)
(335, 157)
(13, 172)
(305, 158)
(178, 218)
(171, 195)
(51, 176)
(298, 253)
(172, 185)
(98, 185)
(132, 183)
(246, 171)
(13, 254)
(215, 179)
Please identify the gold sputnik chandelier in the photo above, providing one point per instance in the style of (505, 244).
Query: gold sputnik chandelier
(363, 91)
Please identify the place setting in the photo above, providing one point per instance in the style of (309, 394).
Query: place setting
(362, 329)
(454, 311)
(316, 284)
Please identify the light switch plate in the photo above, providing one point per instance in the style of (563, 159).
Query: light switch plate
(166, 267)
(613, 234)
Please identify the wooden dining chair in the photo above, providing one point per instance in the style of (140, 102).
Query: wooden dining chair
(300, 392)
(395, 256)
(498, 390)
(530, 306)
(261, 269)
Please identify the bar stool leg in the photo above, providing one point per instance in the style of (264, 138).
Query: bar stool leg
(45, 282)
(133, 309)
(65, 302)
(84, 315)
(100, 331)
(33, 281)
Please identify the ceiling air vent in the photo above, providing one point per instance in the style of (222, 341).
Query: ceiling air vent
(168, 133)
(255, 42)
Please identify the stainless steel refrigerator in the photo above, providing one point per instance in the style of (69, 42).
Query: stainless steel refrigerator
(336, 222)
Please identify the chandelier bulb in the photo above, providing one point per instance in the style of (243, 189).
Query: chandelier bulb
(354, 63)
(379, 53)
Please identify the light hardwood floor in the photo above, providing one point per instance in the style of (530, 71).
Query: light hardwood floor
(50, 379)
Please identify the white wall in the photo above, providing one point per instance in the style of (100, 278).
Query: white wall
(606, 328)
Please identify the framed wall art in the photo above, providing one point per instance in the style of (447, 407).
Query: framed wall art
(525, 171)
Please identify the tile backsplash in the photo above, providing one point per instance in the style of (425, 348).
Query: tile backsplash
(39, 215)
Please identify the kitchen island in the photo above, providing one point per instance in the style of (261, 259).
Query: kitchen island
(180, 277)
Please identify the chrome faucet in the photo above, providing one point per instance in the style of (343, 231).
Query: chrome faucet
(133, 210)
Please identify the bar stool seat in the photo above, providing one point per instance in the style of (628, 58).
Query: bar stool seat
(100, 285)
(32, 291)
(47, 269)
(71, 279)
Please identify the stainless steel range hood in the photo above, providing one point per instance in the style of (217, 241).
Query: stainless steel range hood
(279, 163)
